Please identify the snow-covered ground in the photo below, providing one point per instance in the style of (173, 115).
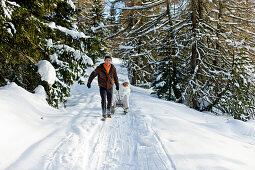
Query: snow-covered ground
(155, 134)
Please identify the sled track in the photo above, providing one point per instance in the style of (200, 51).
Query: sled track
(150, 147)
(119, 144)
(126, 142)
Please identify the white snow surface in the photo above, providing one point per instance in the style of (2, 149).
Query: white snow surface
(47, 71)
(155, 134)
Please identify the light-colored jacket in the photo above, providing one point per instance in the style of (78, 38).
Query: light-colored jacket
(122, 91)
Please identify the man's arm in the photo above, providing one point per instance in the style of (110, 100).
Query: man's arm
(93, 75)
(116, 80)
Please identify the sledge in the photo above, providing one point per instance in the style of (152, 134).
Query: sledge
(117, 104)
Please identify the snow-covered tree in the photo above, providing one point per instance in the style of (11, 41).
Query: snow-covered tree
(137, 31)
(19, 45)
(236, 42)
(200, 50)
(42, 30)
(213, 49)
(91, 22)
(168, 72)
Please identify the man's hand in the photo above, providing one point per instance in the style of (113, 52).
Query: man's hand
(88, 85)
(117, 87)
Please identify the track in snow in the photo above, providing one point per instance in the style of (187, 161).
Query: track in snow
(122, 142)
(87, 143)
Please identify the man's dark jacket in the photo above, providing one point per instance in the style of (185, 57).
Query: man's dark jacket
(105, 80)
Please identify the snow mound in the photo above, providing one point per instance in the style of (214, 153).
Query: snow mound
(47, 71)
(40, 91)
(21, 125)
(242, 128)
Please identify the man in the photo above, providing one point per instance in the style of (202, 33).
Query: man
(122, 97)
(107, 76)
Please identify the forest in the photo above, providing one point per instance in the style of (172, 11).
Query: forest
(200, 53)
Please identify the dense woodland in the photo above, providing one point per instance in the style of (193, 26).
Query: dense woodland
(197, 52)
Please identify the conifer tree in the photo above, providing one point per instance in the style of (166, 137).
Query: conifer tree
(235, 42)
(20, 44)
(138, 35)
(201, 52)
(42, 30)
(168, 74)
(93, 25)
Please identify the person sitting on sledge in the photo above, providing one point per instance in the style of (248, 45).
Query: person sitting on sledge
(121, 97)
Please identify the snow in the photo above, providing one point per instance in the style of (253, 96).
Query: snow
(237, 85)
(107, 7)
(13, 28)
(122, 47)
(75, 34)
(47, 71)
(39, 90)
(70, 2)
(9, 31)
(49, 42)
(21, 127)
(155, 134)
(7, 11)
(78, 55)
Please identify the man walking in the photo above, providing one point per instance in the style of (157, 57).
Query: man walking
(107, 76)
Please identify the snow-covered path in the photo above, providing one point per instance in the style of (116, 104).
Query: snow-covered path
(154, 135)
(122, 142)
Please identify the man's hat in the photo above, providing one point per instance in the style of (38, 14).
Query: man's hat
(107, 57)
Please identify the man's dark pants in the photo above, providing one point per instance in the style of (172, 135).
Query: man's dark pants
(106, 94)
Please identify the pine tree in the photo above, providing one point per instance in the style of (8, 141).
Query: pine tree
(42, 30)
(91, 22)
(212, 57)
(136, 49)
(112, 21)
(237, 44)
(19, 45)
(168, 75)
(67, 50)
(193, 52)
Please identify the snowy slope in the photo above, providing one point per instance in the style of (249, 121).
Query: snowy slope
(155, 134)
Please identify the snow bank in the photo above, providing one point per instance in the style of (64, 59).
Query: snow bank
(21, 126)
(193, 139)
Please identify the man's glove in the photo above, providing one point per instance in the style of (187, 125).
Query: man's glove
(88, 85)
(117, 87)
